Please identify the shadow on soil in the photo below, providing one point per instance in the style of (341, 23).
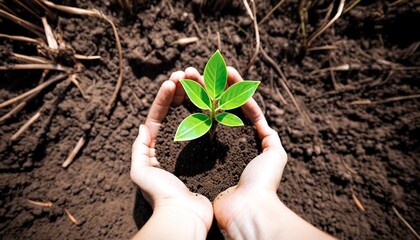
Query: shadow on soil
(200, 156)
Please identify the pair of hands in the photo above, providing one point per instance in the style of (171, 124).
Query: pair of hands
(160, 188)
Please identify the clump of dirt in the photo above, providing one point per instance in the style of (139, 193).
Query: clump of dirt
(206, 166)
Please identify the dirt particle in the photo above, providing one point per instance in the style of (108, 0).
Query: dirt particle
(107, 187)
(309, 151)
(317, 150)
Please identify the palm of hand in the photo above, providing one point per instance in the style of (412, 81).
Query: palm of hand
(159, 187)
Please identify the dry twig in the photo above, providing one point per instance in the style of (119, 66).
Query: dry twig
(275, 89)
(74, 152)
(324, 27)
(219, 41)
(185, 41)
(72, 219)
(52, 42)
(320, 48)
(20, 38)
(343, 67)
(35, 90)
(197, 29)
(283, 81)
(357, 201)
(41, 204)
(303, 15)
(397, 2)
(98, 14)
(29, 26)
(125, 4)
(28, 9)
(25, 126)
(35, 66)
(31, 59)
(271, 12)
(405, 222)
(388, 100)
(253, 15)
(73, 79)
(48, 12)
(6, 8)
(13, 111)
(352, 5)
(83, 57)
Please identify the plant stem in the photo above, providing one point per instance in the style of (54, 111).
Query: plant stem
(213, 117)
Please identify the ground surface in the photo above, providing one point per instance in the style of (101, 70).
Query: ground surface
(370, 150)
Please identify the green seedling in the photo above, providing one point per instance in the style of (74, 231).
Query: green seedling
(215, 99)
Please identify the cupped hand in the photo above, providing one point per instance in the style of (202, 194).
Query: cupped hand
(261, 177)
(159, 187)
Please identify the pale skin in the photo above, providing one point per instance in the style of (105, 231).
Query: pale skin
(249, 210)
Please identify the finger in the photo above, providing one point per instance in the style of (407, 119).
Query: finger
(251, 109)
(233, 76)
(140, 153)
(153, 182)
(193, 74)
(265, 171)
(153, 160)
(179, 93)
(160, 108)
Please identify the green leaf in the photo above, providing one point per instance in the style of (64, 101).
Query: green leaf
(192, 127)
(196, 93)
(215, 75)
(237, 94)
(229, 119)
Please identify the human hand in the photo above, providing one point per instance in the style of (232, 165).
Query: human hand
(160, 188)
(252, 209)
(262, 175)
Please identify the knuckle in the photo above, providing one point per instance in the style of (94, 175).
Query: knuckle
(176, 75)
(190, 70)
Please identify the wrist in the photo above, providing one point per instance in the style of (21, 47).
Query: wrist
(173, 222)
(258, 217)
(269, 218)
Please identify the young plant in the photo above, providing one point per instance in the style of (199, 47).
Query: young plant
(214, 99)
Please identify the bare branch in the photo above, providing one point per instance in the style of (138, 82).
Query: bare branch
(387, 100)
(323, 28)
(20, 38)
(29, 26)
(27, 8)
(96, 13)
(34, 90)
(31, 59)
(253, 16)
(25, 126)
(57, 67)
(52, 42)
(185, 41)
(41, 204)
(405, 222)
(72, 219)
(12, 112)
(83, 57)
(271, 12)
(74, 152)
(283, 81)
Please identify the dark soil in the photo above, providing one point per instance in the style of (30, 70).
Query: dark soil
(206, 166)
(370, 150)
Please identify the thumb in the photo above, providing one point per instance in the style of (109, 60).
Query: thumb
(264, 172)
(140, 154)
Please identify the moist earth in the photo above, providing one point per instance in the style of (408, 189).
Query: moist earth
(344, 154)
